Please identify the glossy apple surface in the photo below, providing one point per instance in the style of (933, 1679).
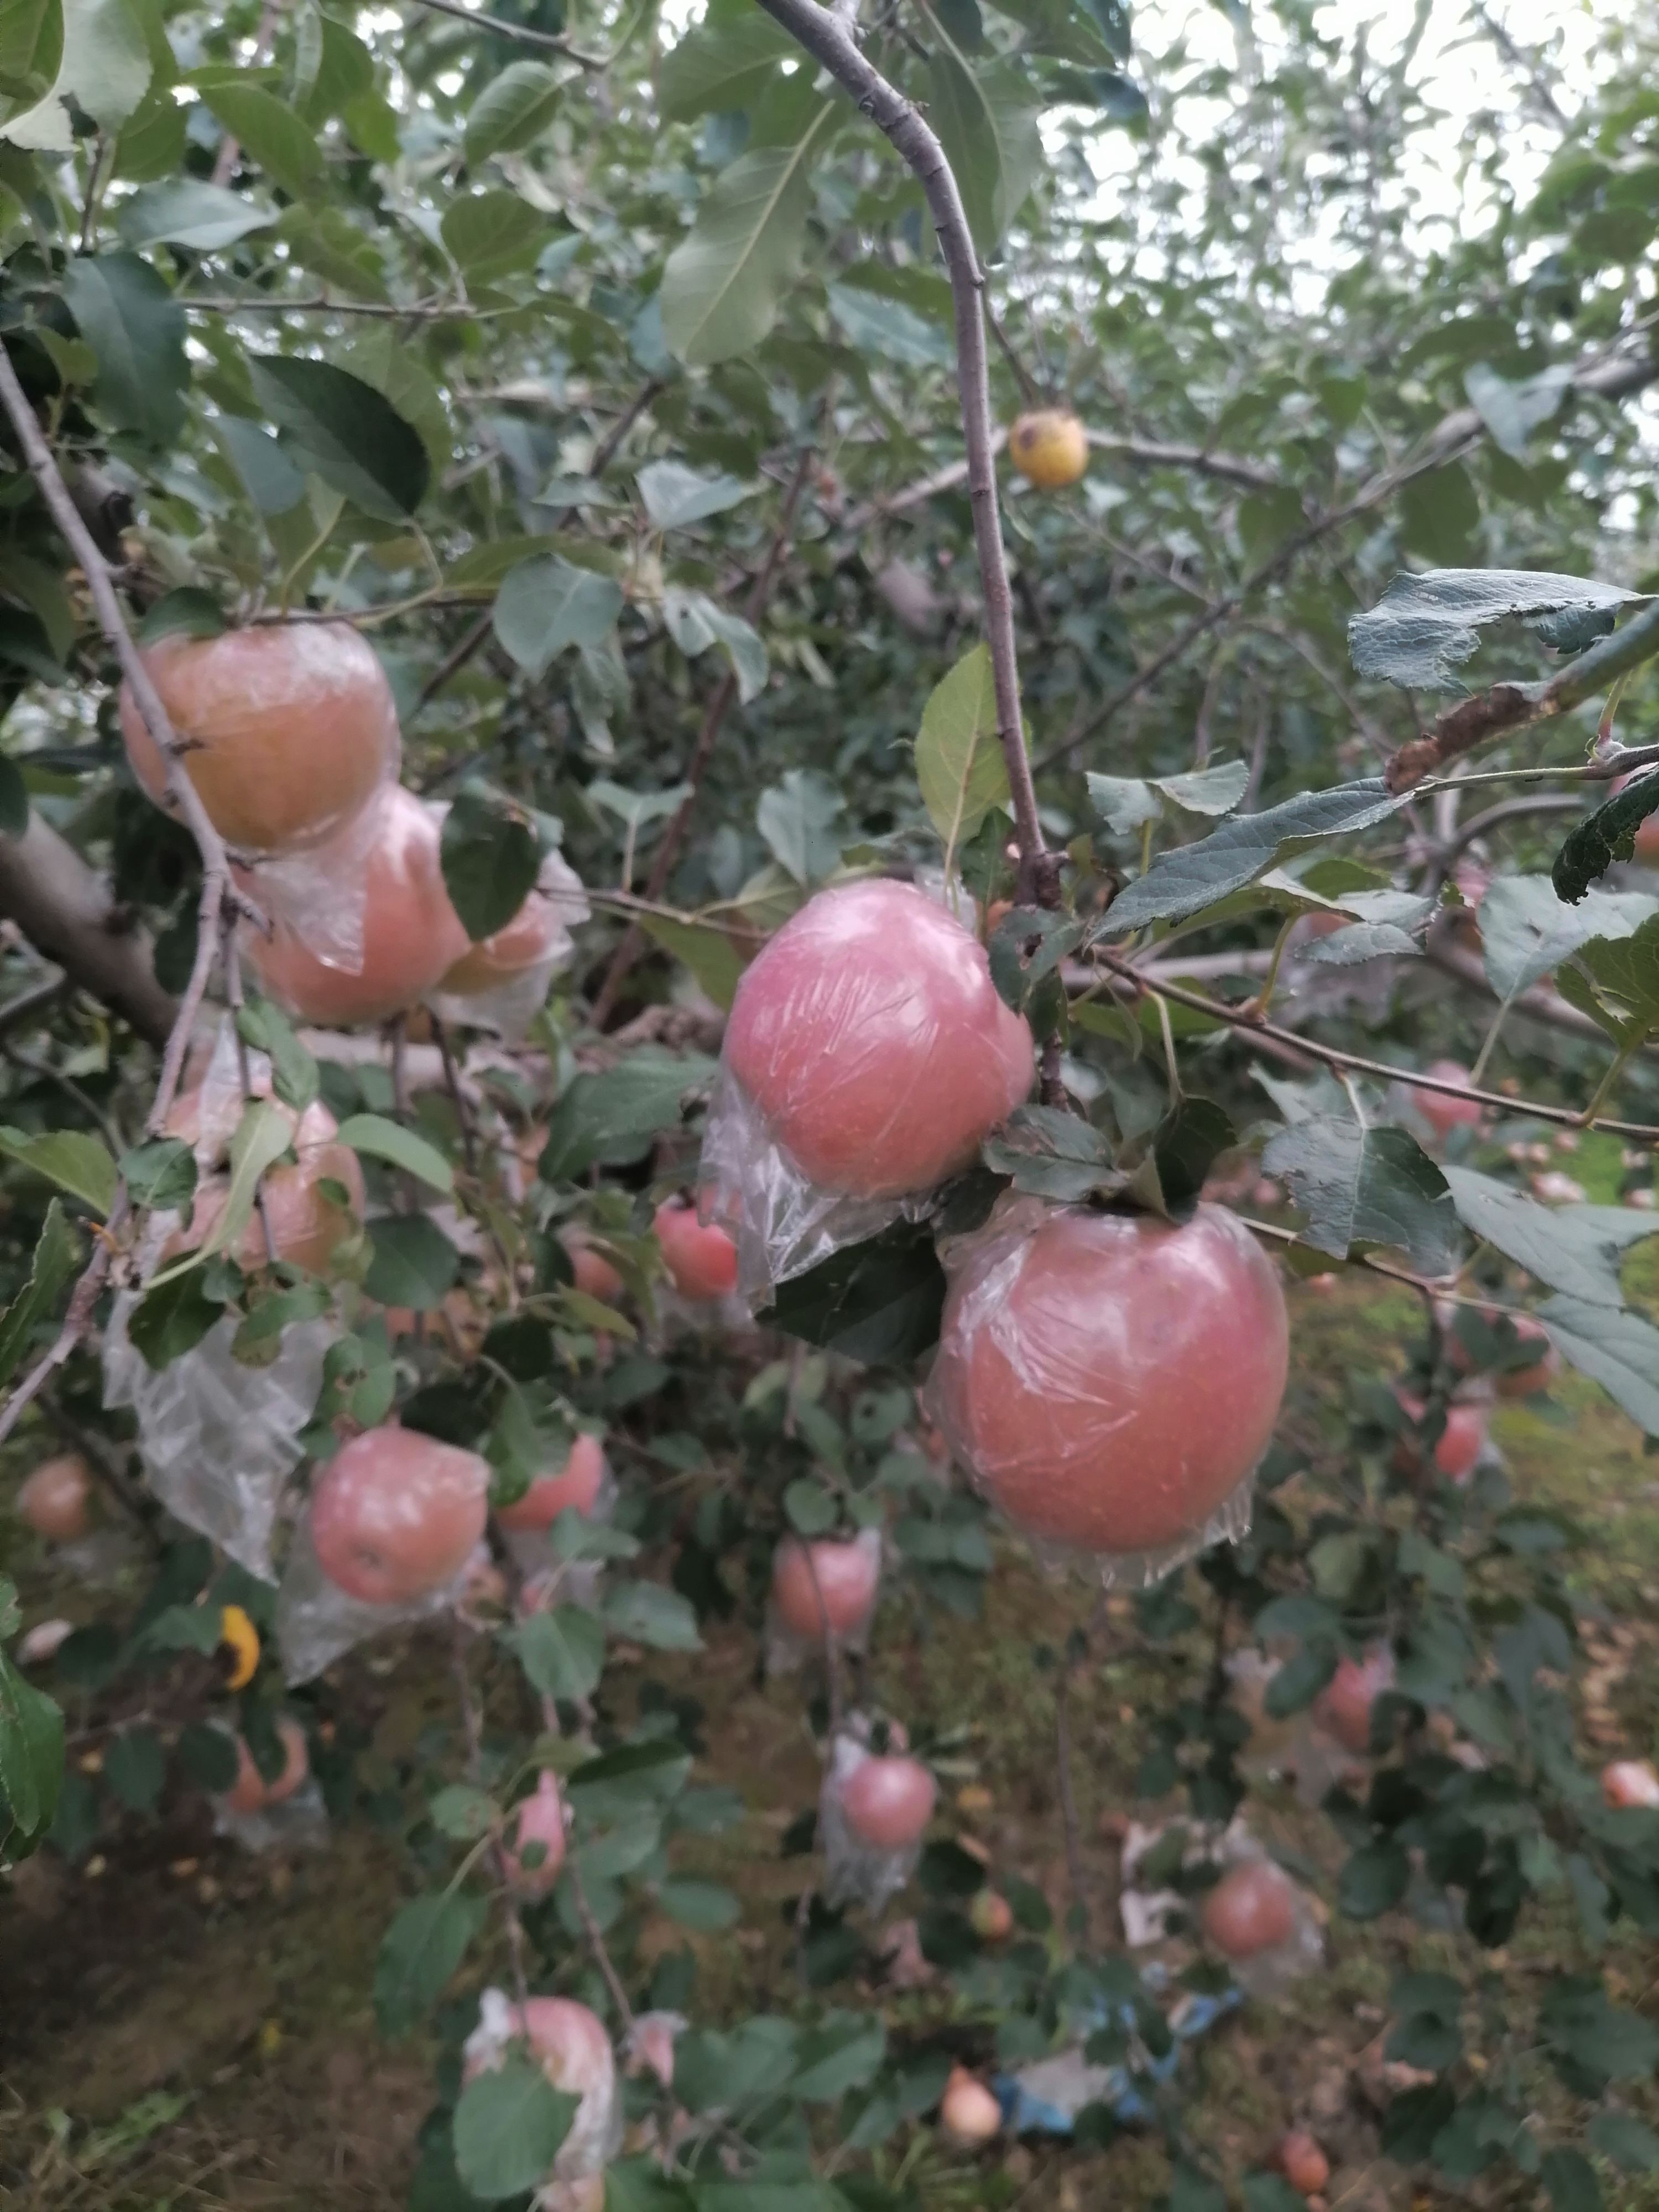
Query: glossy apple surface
(289, 728)
(1343, 1707)
(1111, 1379)
(1251, 1909)
(1439, 1108)
(871, 1040)
(700, 1258)
(251, 1792)
(824, 1584)
(576, 1483)
(412, 933)
(394, 1514)
(538, 1820)
(889, 1802)
(1631, 1782)
(56, 1501)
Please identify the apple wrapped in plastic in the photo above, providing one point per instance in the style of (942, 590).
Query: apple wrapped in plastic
(251, 1792)
(576, 1483)
(570, 2044)
(56, 1500)
(826, 1588)
(873, 1812)
(1110, 1380)
(502, 983)
(866, 1059)
(535, 1851)
(1343, 1707)
(1262, 1924)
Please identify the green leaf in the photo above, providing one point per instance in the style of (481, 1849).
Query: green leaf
(1621, 2137)
(796, 817)
(263, 1135)
(1570, 2180)
(381, 1140)
(185, 212)
(1512, 408)
(102, 66)
(707, 951)
(270, 133)
(960, 762)
(561, 1652)
(1186, 881)
(294, 1074)
(1573, 1249)
(1364, 1188)
(889, 329)
(548, 604)
(492, 234)
(421, 1948)
(326, 240)
(345, 432)
(54, 1255)
(1271, 2192)
(173, 1318)
(648, 1614)
(134, 1768)
(1608, 835)
(31, 50)
(463, 1813)
(412, 1263)
(723, 282)
(31, 1762)
(1425, 626)
(989, 127)
(1373, 1880)
(1624, 975)
(724, 64)
(1295, 1685)
(611, 1120)
(272, 482)
(705, 1907)
(491, 853)
(878, 1301)
(160, 1173)
(75, 1161)
(509, 2124)
(1526, 932)
(1052, 1153)
(137, 328)
(208, 1755)
(1619, 1350)
(675, 496)
(513, 110)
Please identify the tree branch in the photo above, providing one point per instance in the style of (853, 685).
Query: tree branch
(65, 910)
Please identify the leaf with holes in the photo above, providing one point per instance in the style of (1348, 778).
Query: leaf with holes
(1425, 626)
(1608, 835)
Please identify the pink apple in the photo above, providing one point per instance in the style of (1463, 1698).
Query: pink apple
(888, 1801)
(824, 1584)
(1461, 1441)
(593, 1272)
(56, 1501)
(576, 1483)
(538, 1820)
(967, 2111)
(1442, 1112)
(251, 1792)
(394, 1515)
(701, 1258)
(1251, 1909)
(1628, 1782)
(1343, 1707)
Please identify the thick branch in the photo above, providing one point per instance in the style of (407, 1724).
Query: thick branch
(66, 911)
(827, 38)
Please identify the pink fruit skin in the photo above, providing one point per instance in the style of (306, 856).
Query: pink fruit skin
(538, 1820)
(1460, 1442)
(411, 934)
(843, 1594)
(1250, 1908)
(1112, 1384)
(889, 1802)
(653, 2046)
(576, 1483)
(1344, 1706)
(1443, 1113)
(967, 2110)
(593, 1272)
(700, 1258)
(56, 1500)
(306, 1226)
(394, 1514)
(251, 1792)
(570, 2042)
(1629, 1781)
(872, 1042)
(1303, 2163)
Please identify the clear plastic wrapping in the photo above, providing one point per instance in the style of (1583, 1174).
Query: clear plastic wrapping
(867, 1058)
(1267, 1970)
(502, 983)
(318, 896)
(1111, 1382)
(819, 1588)
(288, 729)
(575, 2053)
(858, 1871)
(318, 1622)
(219, 1439)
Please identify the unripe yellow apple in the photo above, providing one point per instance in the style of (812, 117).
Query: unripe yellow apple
(1050, 447)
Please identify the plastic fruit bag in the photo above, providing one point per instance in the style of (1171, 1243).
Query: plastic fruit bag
(819, 1588)
(574, 2051)
(502, 983)
(870, 1851)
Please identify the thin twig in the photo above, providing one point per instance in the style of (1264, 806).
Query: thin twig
(321, 303)
(551, 42)
(595, 1944)
(472, 1727)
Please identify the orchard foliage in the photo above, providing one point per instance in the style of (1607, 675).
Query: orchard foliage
(598, 372)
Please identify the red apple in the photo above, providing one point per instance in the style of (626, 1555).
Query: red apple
(1462, 1440)
(574, 2051)
(395, 1514)
(576, 1483)
(540, 931)
(992, 1916)
(888, 1801)
(825, 1585)
(1251, 1909)
(1442, 1112)
(967, 2111)
(1109, 1379)
(538, 1820)
(288, 729)
(1343, 1707)
(56, 1501)
(1302, 2162)
(411, 934)
(700, 1258)
(593, 1272)
(251, 1792)
(872, 1042)
(306, 1226)
(1631, 1782)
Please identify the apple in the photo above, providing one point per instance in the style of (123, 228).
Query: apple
(538, 1820)
(967, 2111)
(593, 1272)
(1251, 1909)
(870, 1038)
(888, 1801)
(1510, 1382)
(394, 1515)
(412, 935)
(56, 1501)
(1461, 1441)
(825, 1585)
(1631, 1782)
(701, 1258)
(538, 933)
(650, 2045)
(306, 1226)
(288, 728)
(1302, 2162)
(576, 1483)
(1439, 1109)
(1050, 447)
(1343, 1707)
(992, 1916)
(1647, 831)
(251, 1792)
(1109, 1380)
(574, 2051)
